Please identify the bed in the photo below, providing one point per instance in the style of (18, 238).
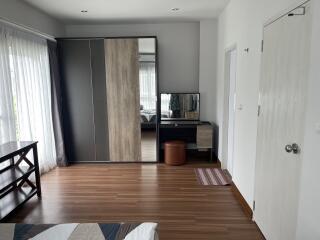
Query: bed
(79, 231)
(148, 118)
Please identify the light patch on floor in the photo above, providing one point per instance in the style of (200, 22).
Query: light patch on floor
(149, 146)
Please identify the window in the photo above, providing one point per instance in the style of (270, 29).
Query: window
(148, 96)
(26, 93)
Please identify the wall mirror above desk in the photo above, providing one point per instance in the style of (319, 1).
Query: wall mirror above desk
(180, 106)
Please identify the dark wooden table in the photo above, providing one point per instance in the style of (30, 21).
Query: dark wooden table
(185, 131)
(16, 186)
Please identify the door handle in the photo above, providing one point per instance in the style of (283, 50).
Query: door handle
(292, 148)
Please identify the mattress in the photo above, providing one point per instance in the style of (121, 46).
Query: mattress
(79, 231)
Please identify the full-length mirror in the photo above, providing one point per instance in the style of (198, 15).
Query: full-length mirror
(148, 98)
(180, 106)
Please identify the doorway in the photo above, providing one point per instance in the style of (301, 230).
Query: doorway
(230, 103)
(148, 99)
(285, 61)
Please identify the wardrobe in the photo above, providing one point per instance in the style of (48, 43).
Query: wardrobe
(100, 98)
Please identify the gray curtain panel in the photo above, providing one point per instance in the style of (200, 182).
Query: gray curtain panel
(57, 104)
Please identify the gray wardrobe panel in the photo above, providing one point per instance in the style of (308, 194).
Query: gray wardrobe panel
(99, 99)
(78, 113)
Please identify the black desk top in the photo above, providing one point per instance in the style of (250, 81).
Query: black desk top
(12, 148)
(184, 123)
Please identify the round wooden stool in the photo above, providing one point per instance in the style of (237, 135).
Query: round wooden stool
(175, 153)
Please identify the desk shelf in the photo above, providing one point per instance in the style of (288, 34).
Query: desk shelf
(14, 199)
(11, 176)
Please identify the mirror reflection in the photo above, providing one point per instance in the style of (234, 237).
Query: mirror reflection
(148, 96)
(180, 106)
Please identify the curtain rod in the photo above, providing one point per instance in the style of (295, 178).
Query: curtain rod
(27, 29)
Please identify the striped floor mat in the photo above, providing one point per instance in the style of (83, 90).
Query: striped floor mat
(212, 176)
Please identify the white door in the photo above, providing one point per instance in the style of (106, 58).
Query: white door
(229, 108)
(282, 98)
(232, 102)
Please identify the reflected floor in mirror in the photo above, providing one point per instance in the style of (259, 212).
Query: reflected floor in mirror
(149, 146)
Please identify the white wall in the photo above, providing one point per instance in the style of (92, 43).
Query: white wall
(21, 13)
(208, 74)
(309, 210)
(178, 45)
(241, 23)
(207, 68)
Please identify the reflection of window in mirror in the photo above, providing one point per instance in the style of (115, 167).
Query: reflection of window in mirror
(181, 106)
(147, 74)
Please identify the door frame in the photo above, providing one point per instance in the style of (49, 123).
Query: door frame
(226, 117)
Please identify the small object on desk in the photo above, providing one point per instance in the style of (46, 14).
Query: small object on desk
(175, 153)
(14, 177)
(191, 115)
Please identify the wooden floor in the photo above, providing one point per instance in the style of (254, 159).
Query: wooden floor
(170, 196)
(149, 146)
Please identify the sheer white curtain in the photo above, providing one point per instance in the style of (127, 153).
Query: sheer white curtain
(31, 93)
(7, 119)
(147, 86)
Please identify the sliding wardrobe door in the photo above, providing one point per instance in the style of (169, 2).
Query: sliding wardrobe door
(99, 99)
(123, 99)
(78, 111)
(84, 109)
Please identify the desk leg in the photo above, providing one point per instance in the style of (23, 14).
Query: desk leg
(37, 171)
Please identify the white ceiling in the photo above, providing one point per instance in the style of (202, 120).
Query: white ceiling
(69, 11)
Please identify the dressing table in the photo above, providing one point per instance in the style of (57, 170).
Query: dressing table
(197, 135)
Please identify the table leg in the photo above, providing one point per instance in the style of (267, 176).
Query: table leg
(12, 164)
(37, 170)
